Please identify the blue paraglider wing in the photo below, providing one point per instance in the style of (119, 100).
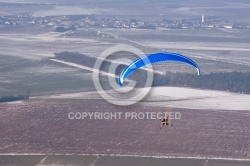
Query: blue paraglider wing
(154, 58)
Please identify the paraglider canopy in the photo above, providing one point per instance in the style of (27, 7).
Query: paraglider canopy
(154, 58)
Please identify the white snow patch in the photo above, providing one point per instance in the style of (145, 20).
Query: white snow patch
(177, 97)
(83, 67)
(199, 99)
(15, 102)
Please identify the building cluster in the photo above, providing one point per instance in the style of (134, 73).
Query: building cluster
(92, 21)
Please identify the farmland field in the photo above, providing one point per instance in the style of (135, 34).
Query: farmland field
(27, 65)
(99, 160)
(44, 127)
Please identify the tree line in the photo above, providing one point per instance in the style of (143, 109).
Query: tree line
(232, 81)
(238, 82)
(4, 99)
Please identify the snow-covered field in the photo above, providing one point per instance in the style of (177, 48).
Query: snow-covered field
(199, 99)
(69, 10)
(38, 46)
(33, 48)
(178, 98)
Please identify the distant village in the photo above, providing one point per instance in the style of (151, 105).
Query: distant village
(64, 23)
